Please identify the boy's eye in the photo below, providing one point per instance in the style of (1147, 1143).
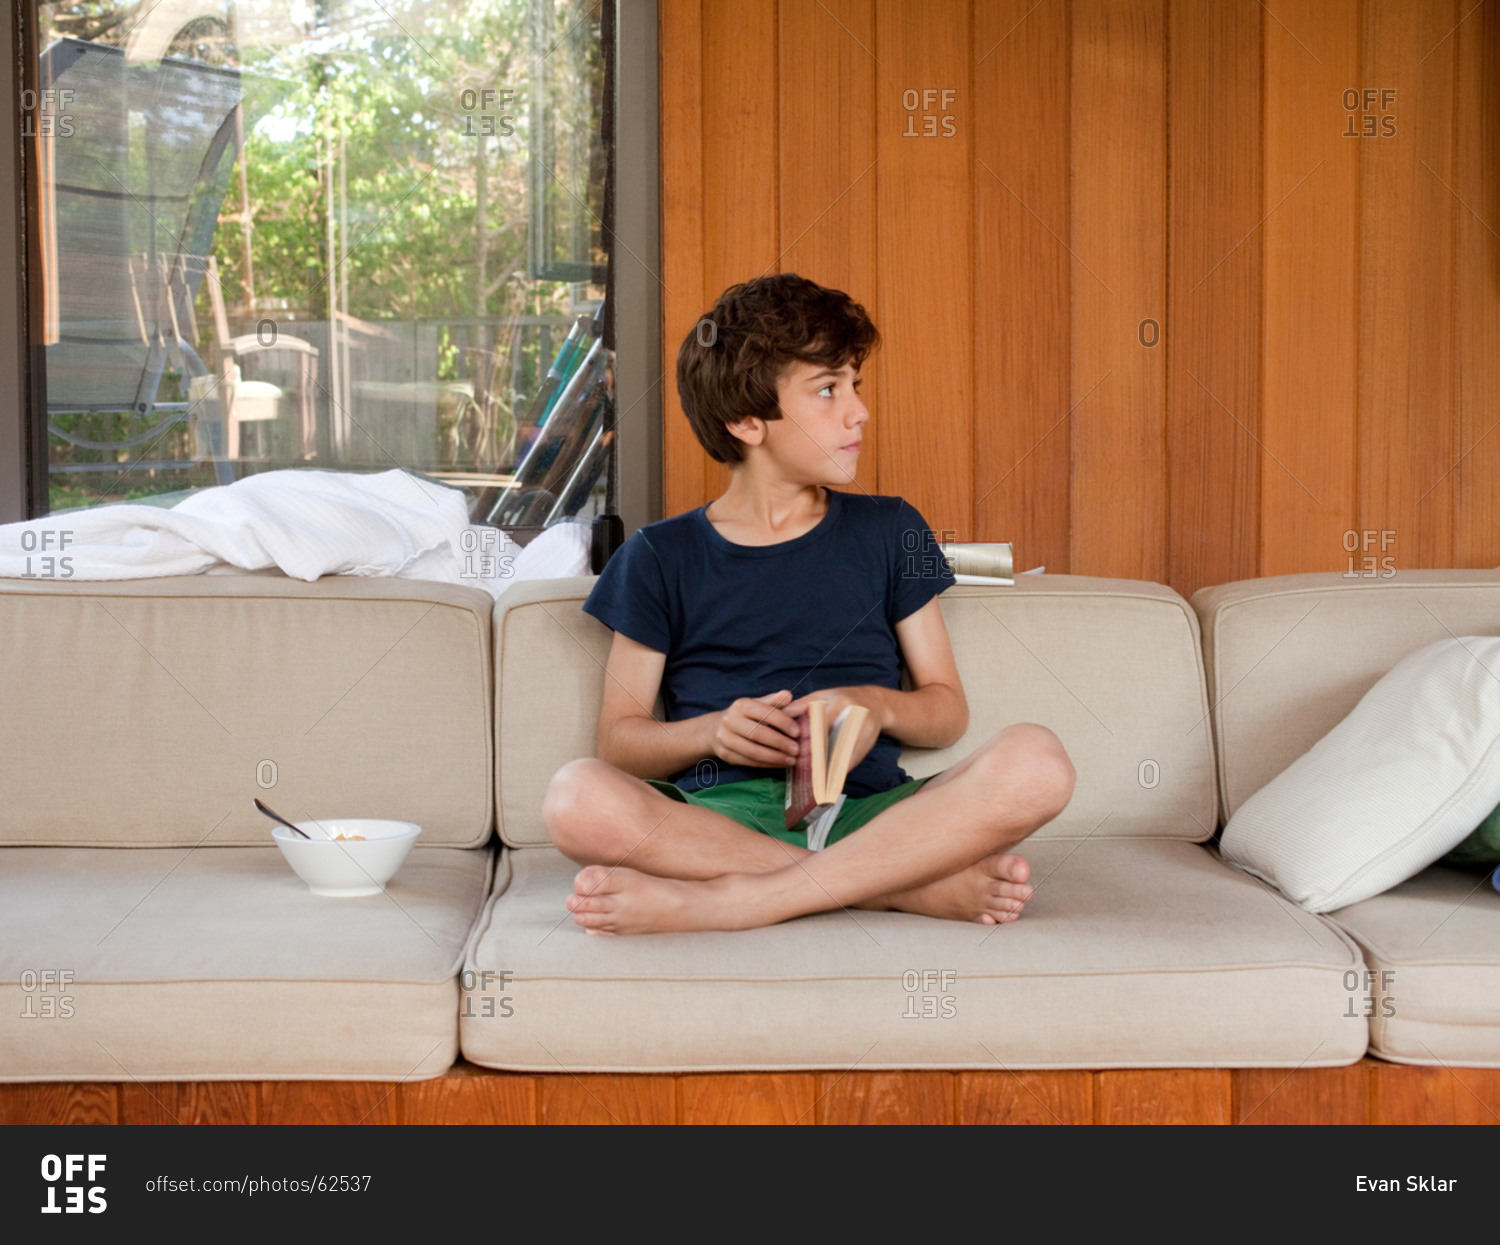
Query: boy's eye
(827, 389)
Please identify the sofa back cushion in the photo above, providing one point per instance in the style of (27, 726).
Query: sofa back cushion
(151, 713)
(1111, 665)
(1289, 656)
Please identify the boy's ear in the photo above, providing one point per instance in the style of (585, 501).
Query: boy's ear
(751, 429)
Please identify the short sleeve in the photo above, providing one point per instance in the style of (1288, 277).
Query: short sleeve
(921, 571)
(631, 595)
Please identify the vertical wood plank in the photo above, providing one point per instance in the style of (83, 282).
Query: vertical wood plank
(1311, 317)
(1412, 1095)
(925, 199)
(885, 1098)
(189, 1102)
(1025, 1097)
(1406, 332)
(1476, 183)
(82, 1102)
(748, 1098)
(468, 1095)
(682, 225)
(740, 193)
(1163, 1096)
(1212, 334)
(826, 79)
(606, 1099)
(1022, 282)
(327, 1102)
(1118, 163)
(1302, 1095)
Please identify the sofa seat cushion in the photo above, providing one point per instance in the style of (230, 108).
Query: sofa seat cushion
(1433, 948)
(179, 699)
(219, 964)
(1133, 953)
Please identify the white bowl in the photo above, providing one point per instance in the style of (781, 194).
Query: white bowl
(347, 868)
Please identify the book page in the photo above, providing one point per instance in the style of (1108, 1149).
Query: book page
(819, 827)
(841, 741)
(816, 740)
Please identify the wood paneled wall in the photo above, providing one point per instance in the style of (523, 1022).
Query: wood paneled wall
(1180, 290)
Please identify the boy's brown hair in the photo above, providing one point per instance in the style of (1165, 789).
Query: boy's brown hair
(730, 364)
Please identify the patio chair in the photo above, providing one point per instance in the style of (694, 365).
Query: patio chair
(130, 202)
(252, 399)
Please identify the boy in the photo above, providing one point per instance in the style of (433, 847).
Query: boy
(741, 612)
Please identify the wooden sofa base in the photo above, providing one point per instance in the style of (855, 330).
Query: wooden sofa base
(1369, 1092)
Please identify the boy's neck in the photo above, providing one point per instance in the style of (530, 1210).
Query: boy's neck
(766, 512)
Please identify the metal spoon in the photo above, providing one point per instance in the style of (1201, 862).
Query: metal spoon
(282, 820)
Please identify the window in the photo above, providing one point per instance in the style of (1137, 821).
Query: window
(357, 234)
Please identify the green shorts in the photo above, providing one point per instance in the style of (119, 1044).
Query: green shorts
(760, 804)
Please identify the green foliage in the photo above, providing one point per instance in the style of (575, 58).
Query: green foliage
(381, 126)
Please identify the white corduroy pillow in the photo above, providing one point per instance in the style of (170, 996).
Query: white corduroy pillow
(1396, 785)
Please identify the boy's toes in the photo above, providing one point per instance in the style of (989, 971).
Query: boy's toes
(1011, 868)
(590, 879)
(593, 922)
(597, 905)
(1019, 891)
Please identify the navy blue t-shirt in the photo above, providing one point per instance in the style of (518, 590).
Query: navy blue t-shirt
(806, 614)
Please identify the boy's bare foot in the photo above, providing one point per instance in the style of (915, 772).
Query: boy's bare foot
(990, 892)
(625, 901)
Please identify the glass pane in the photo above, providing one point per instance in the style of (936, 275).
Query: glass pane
(352, 234)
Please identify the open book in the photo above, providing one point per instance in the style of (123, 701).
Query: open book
(815, 784)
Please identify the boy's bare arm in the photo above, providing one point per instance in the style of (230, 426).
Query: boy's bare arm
(748, 732)
(935, 713)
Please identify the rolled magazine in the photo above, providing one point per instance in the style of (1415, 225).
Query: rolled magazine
(980, 563)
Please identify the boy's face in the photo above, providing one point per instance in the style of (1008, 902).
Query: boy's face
(817, 439)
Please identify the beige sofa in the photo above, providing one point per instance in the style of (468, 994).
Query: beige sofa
(1140, 949)
(1288, 657)
(140, 718)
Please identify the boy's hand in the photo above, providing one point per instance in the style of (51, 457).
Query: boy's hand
(757, 731)
(838, 698)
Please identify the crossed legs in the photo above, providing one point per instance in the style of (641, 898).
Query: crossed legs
(654, 863)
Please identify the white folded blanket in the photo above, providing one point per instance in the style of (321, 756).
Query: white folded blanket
(306, 523)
